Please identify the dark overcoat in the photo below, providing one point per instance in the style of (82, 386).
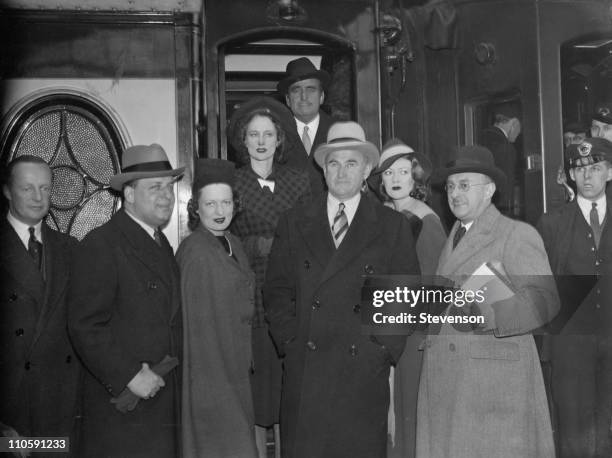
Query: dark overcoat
(124, 309)
(217, 302)
(505, 157)
(38, 369)
(296, 154)
(336, 388)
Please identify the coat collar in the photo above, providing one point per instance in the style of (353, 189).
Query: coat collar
(479, 236)
(314, 226)
(211, 241)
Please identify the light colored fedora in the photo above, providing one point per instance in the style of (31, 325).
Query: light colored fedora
(142, 161)
(346, 135)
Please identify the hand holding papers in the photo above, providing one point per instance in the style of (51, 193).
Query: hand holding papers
(489, 278)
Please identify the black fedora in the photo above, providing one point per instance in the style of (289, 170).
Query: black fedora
(473, 159)
(301, 69)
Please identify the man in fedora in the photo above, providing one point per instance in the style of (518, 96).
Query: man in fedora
(481, 391)
(336, 390)
(304, 90)
(578, 240)
(124, 315)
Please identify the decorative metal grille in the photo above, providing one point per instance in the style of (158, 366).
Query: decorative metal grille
(81, 147)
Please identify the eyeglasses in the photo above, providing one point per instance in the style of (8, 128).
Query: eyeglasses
(463, 186)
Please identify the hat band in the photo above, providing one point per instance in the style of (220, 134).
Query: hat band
(156, 166)
(345, 139)
(586, 160)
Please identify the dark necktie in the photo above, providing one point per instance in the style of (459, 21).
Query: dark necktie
(340, 225)
(157, 236)
(458, 236)
(35, 248)
(595, 225)
(306, 140)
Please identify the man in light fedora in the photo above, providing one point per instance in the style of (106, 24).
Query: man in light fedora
(304, 90)
(481, 391)
(124, 315)
(336, 391)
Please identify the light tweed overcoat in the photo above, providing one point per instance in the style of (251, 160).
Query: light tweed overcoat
(482, 396)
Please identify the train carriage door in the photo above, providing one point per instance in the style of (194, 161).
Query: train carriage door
(248, 44)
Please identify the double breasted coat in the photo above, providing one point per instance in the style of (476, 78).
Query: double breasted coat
(482, 394)
(124, 309)
(296, 154)
(38, 368)
(336, 389)
(217, 303)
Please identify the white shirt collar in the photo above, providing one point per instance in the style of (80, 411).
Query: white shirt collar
(266, 183)
(145, 226)
(586, 205)
(23, 229)
(312, 127)
(350, 207)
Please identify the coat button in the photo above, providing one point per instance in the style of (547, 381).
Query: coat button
(13, 297)
(368, 269)
(311, 345)
(598, 305)
(19, 332)
(451, 347)
(353, 350)
(152, 285)
(590, 235)
(306, 264)
(68, 359)
(316, 304)
(27, 366)
(356, 308)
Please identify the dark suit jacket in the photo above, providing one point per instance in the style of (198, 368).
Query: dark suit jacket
(336, 388)
(38, 369)
(125, 309)
(297, 157)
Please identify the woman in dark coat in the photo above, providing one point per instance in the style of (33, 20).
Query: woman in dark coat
(217, 287)
(402, 176)
(266, 188)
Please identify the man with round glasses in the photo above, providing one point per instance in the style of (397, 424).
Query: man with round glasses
(481, 391)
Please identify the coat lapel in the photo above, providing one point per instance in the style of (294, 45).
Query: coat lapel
(362, 230)
(19, 265)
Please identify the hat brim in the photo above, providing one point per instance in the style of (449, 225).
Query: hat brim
(117, 181)
(496, 174)
(423, 160)
(369, 150)
(321, 75)
(601, 118)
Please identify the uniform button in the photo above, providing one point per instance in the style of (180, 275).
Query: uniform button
(451, 347)
(68, 359)
(598, 291)
(306, 264)
(27, 366)
(592, 248)
(316, 304)
(19, 332)
(353, 350)
(596, 263)
(590, 235)
(311, 345)
(369, 269)
(13, 297)
(152, 285)
(356, 308)
(597, 305)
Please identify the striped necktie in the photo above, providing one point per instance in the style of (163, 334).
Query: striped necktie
(340, 225)
(458, 236)
(35, 248)
(306, 140)
(158, 236)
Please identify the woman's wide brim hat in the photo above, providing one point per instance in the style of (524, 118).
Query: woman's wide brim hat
(395, 149)
(143, 161)
(346, 135)
(267, 104)
(302, 69)
(472, 159)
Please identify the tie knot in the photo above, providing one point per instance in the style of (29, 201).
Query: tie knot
(32, 231)
(594, 205)
(305, 129)
(341, 207)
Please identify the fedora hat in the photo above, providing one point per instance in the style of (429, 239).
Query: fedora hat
(346, 135)
(277, 110)
(301, 69)
(209, 171)
(143, 161)
(474, 159)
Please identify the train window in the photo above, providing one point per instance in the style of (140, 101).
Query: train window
(586, 77)
(253, 65)
(81, 145)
